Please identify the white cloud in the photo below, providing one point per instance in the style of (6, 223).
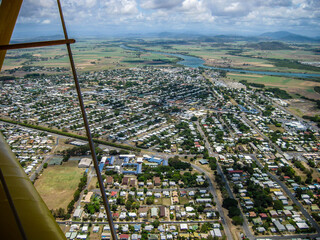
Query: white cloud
(160, 4)
(121, 7)
(46, 21)
(223, 14)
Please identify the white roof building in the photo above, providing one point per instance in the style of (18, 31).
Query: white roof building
(85, 163)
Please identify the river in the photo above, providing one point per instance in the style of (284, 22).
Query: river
(194, 62)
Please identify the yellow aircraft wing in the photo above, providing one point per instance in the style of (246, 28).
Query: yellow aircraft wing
(33, 215)
(9, 11)
(23, 214)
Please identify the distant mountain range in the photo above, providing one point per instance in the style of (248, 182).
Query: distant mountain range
(279, 36)
(38, 39)
(287, 36)
(268, 36)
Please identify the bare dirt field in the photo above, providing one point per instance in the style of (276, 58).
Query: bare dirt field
(303, 107)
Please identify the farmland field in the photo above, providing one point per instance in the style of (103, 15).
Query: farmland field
(291, 85)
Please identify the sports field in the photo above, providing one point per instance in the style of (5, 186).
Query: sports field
(52, 186)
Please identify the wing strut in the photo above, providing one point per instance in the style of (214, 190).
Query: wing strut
(86, 124)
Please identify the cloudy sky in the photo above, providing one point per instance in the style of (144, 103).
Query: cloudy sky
(114, 17)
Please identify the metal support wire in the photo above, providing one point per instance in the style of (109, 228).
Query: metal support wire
(36, 44)
(13, 209)
(86, 124)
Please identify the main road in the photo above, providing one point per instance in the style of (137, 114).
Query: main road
(224, 179)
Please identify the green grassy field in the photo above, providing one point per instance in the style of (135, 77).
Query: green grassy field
(51, 184)
(89, 55)
(291, 85)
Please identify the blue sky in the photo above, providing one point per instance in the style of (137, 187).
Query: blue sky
(114, 17)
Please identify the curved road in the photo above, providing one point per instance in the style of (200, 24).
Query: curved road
(219, 206)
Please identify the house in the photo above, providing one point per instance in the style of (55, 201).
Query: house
(125, 228)
(132, 183)
(279, 226)
(154, 212)
(290, 228)
(165, 184)
(137, 227)
(85, 228)
(183, 193)
(157, 181)
(114, 194)
(82, 236)
(125, 181)
(143, 212)
(217, 232)
(191, 193)
(106, 236)
(132, 214)
(203, 200)
(124, 237)
(200, 179)
(263, 216)
(172, 228)
(140, 194)
(261, 229)
(148, 227)
(166, 193)
(252, 214)
(302, 225)
(157, 195)
(189, 209)
(95, 229)
(257, 221)
(135, 237)
(183, 227)
(161, 228)
(162, 211)
(172, 183)
(203, 161)
(273, 213)
(101, 215)
(287, 213)
(109, 180)
(123, 215)
(77, 213)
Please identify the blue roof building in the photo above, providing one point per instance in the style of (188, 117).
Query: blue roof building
(137, 171)
(155, 160)
(137, 227)
(101, 165)
(111, 160)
